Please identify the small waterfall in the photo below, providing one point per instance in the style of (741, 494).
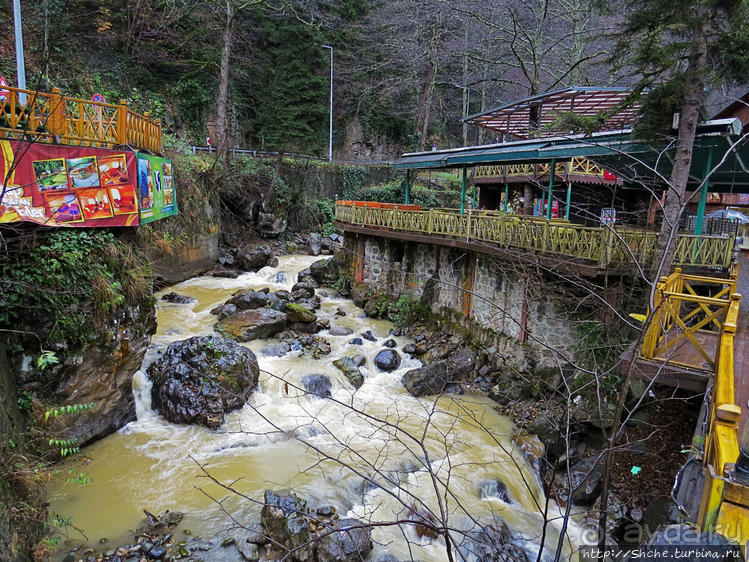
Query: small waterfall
(273, 442)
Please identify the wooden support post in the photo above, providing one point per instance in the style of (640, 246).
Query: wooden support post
(408, 187)
(122, 123)
(463, 190)
(56, 121)
(703, 195)
(552, 171)
(541, 206)
(507, 195)
(475, 193)
(567, 205)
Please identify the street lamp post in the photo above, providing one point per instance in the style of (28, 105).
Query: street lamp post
(20, 66)
(330, 132)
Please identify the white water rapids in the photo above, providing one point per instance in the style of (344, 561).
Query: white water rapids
(152, 464)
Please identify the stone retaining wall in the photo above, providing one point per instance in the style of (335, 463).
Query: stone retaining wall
(486, 295)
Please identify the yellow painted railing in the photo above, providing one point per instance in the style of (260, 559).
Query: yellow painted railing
(603, 246)
(680, 316)
(64, 120)
(576, 166)
(688, 324)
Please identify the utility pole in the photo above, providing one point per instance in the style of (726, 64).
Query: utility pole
(330, 132)
(20, 66)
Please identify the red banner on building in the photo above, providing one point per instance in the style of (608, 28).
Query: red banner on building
(67, 185)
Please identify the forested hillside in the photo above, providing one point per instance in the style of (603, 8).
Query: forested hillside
(406, 71)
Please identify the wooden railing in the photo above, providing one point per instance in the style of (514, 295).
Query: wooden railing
(64, 120)
(683, 317)
(602, 246)
(576, 166)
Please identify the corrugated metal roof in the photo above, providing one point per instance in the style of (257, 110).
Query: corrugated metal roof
(530, 115)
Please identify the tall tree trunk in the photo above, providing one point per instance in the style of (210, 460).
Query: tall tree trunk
(425, 104)
(688, 119)
(484, 72)
(222, 127)
(465, 88)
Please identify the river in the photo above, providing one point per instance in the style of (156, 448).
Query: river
(279, 438)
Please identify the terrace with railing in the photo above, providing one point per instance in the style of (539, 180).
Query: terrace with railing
(31, 116)
(600, 247)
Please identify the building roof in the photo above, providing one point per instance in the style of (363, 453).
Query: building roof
(529, 116)
(634, 160)
(739, 109)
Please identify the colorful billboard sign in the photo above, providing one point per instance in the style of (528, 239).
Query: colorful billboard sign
(67, 185)
(156, 188)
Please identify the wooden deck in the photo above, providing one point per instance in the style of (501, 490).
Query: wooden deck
(675, 368)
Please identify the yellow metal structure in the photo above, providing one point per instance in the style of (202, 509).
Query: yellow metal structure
(602, 245)
(682, 317)
(576, 166)
(64, 120)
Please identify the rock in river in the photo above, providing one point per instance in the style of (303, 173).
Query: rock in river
(350, 541)
(249, 325)
(387, 360)
(350, 370)
(298, 313)
(177, 298)
(199, 379)
(317, 385)
(252, 259)
(429, 379)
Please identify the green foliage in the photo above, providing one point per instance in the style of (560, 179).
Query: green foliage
(598, 345)
(408, 310)
(46, 359)
(81, 478)
(24, 401)
(66, 447)
(352, 180)
(69, 279)
(344, 283)
(291, 86)
(68, 410)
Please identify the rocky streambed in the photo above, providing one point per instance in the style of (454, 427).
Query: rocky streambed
(338, 408)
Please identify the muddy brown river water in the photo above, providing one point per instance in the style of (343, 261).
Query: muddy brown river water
(278, 439)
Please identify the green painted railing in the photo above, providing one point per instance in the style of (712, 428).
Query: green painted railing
(600, 245)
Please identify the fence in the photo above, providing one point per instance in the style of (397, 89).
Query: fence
(601, 245)
(65, 120)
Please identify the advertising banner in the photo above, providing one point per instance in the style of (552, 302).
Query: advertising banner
(68, 186)
(156, 188)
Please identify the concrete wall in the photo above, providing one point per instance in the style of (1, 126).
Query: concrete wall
(192, 257)
(501, 303)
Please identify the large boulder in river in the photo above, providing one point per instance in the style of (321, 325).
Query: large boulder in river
(285, 522)
(252, 259)
(433, 378)
(350, 370)
(296, 312)
(248, 299)
(270, 225)
(199, 379)
(250, 325)
(387, 360)
(429, 379)
(327, 271)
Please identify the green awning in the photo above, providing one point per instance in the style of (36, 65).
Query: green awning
(634, 160)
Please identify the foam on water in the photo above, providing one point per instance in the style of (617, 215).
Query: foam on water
(364, 451)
